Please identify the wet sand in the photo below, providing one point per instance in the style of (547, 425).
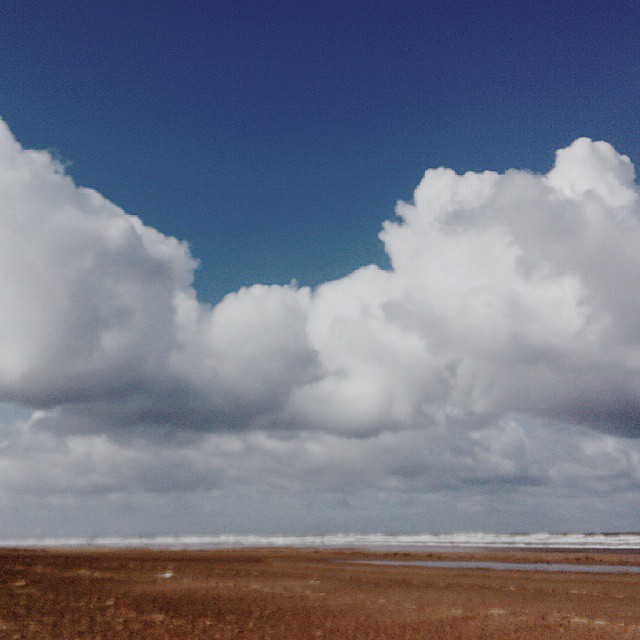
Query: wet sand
(305, 594)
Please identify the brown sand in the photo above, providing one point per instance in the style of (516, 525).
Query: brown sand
(299, 594)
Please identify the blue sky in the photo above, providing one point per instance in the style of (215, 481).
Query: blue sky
(276, 137)
(482, 373)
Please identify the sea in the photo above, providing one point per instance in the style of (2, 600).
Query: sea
(376, 541)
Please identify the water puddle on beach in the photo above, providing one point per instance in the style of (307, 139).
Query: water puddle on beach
(505, 566)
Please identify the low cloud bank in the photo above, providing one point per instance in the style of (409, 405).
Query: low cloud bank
(500, 350)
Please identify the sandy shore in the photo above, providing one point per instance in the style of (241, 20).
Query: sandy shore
(300, 594)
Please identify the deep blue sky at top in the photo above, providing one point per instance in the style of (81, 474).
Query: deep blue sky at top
(276, 136)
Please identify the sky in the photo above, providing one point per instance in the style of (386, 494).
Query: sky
(309, 268)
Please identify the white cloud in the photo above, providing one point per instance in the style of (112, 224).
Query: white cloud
(87, 291)
(500, 353)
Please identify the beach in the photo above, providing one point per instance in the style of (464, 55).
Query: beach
(102, 594)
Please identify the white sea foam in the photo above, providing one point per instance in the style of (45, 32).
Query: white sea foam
(377, 541)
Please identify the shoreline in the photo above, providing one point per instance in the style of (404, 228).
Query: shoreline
(540, 555)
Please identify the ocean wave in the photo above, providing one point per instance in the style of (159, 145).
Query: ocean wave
(347, 540)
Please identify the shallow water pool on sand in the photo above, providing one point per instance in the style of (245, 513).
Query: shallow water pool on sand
(506, 566)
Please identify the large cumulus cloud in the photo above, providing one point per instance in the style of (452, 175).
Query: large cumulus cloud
(98, 314)
(500, 352)
(508, 293)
